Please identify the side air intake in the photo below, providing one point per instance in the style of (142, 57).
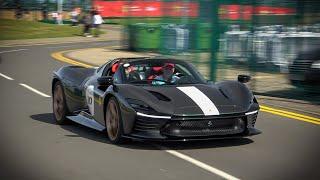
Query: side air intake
(160, 96)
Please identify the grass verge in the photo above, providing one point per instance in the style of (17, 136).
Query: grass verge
(20, 29)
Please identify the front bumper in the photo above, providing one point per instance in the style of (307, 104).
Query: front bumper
(250, 132)
(194, 128)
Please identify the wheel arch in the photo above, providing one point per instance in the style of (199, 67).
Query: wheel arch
(54, 81)
(126, 112)
(105, 103)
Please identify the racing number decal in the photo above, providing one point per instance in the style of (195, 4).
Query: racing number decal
(90, 98)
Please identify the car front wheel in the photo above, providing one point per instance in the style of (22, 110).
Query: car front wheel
(59, 104)
(113, 122)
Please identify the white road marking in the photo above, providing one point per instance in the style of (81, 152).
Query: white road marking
(204, 103)
(98, 44)
(7, 77)
(15, 50)
(52, 47)
(200, 164)
(34, 90)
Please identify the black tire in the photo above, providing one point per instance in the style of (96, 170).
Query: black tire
(114, 122)
(59, 106)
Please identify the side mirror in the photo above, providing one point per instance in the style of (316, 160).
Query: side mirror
(105, 80)
(244, 78)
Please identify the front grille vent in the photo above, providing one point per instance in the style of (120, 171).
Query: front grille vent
(211, 127)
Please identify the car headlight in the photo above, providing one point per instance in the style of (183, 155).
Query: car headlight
(138, 105)
(144, 110)
(316, 65)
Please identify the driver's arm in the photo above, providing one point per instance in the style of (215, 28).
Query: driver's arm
(158, 82)
(174, 78)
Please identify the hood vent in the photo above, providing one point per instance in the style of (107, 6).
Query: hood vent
(223, 93)
(160, 96)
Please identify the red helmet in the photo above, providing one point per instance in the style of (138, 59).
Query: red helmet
(114, 67)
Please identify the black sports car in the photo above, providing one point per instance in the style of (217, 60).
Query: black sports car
(153, 98)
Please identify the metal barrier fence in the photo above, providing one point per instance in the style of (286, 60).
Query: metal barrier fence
(264, 39)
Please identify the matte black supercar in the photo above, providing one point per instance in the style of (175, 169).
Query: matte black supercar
(153, 98)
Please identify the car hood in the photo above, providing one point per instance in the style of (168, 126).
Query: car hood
(192, 100)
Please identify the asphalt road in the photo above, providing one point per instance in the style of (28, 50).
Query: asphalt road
(34, 147)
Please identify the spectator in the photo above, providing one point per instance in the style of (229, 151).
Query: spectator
(19, 11)
(59, 18)
(97, 21)
(44, 12)
(74, 17)
(55, 17)
(86, 20)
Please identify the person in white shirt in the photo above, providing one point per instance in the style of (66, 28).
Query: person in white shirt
(74, 17)
(97, 21)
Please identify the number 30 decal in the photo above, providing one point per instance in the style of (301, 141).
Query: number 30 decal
(90, 98)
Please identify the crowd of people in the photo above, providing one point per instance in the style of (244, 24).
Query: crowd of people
(91, 21)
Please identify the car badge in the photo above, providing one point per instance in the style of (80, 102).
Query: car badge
(210, 124)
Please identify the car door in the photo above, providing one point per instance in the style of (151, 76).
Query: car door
(95, 93)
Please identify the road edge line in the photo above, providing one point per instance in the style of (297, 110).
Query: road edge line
(290, 116)
(196, 162)
(14, 50)
(59, 55)
(202, 165)
(6, 77)
(34, 90)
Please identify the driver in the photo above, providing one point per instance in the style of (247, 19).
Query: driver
(167, 75)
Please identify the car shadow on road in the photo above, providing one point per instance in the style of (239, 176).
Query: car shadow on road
(78, 130)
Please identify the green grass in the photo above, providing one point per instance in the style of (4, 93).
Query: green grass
(19, 29)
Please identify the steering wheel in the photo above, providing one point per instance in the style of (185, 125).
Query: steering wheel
(185, 79)
(179, 75)
(133, 76)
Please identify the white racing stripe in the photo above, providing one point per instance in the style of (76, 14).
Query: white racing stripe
(198, 163)
(205, 104)
(7, 77)
(34, 90)
(15, 50)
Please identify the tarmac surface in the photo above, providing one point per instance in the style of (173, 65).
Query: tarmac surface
(34, 147)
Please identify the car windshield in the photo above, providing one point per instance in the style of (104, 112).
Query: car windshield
(160, 73)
